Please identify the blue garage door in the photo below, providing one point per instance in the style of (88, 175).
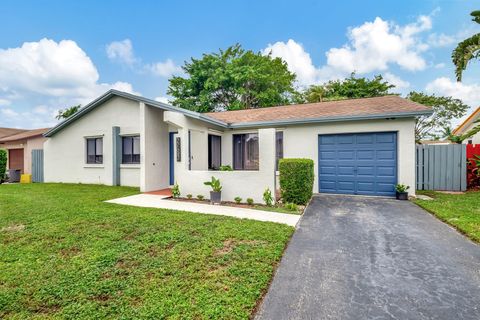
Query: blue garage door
(361, 163)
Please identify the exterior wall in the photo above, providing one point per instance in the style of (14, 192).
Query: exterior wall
(27, 146)
(65, 152)
(245, 184)
(154, 156)
(302, 142)
(476, 137)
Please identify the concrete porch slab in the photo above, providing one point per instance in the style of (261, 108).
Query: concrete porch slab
(158, 201)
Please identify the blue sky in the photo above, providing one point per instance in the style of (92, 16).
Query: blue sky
(55, 54)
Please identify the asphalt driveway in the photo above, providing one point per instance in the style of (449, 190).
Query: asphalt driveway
(372, 258)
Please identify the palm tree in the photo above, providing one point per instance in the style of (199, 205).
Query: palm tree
(467, 50)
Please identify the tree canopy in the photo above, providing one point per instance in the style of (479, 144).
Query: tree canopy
(232, 79)
(348, 88)
(467, 50)
(444, 110)
(65, 113)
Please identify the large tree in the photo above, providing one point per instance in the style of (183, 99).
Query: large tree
(348, 88)
(467, 50)
(444, 110)
(232, 79)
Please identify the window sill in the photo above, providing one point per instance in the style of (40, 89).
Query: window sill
(94, 166)
(130, 166)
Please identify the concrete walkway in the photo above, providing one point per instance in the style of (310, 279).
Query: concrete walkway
(156, 201)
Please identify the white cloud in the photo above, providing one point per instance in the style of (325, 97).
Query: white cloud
(441, 40)
(8, 112)
(164, 69)
(468, 93)
(372, 47)
(297, 58)
(54, 74)
(5, 102)
(162, 99)
(440, 65)
(121, 51)
(396, 81)
(375, 45)
(41, 110)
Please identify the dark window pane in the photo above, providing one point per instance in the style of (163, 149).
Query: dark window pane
(245, 151)
(251, 152)
(278, 147)
(95, 150)
(131, 149)
(238, 151)
(214, 152)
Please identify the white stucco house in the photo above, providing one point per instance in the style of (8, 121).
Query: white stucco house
(359, 146)
(468, 124)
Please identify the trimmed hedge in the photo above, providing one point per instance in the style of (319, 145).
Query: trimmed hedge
(296, 180)
(3, 164)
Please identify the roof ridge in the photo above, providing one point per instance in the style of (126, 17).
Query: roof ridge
(311, 103)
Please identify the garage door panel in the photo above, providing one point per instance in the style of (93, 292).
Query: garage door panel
(346, 170)
(361, 164)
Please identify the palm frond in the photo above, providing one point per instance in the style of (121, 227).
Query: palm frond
(465, 51)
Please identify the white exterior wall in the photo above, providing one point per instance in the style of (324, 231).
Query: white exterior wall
(65, 152)
(245, 184)
(154, 155)
(476, 137)
(302, 142)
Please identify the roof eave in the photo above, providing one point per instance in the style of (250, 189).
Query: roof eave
(329, 119)
(109, 94)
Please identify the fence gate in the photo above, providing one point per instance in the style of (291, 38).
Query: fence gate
(37, 165)
(441, 167)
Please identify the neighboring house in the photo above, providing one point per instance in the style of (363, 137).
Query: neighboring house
(467, 125)
(360, 146)
(19, 144)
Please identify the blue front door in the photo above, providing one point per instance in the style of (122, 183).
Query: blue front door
(360, 163)
(171, 137)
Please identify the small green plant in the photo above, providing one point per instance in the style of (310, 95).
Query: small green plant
(401, 188)
(267, 197)
(200, 197)
(176, 191)
(189, 196)
(291, 206)
(250, 201)
(238, 200)
(226, 167)
(215, 184)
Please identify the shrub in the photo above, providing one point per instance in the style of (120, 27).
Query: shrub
(250, 201)
(267, 197)
(200, 197)
(296, 180)
(291, 206)
(226, 168)
(215, 184)
(189, 196)
(176, 191)
(401, 187)
(238, 199)
(3, 164)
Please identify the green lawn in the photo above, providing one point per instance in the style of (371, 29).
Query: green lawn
(460, 210)
(66, 254)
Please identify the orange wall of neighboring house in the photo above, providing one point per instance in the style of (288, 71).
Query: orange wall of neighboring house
(27, 146)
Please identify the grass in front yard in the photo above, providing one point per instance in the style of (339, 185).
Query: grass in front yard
(64, 253)
(459, 210)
